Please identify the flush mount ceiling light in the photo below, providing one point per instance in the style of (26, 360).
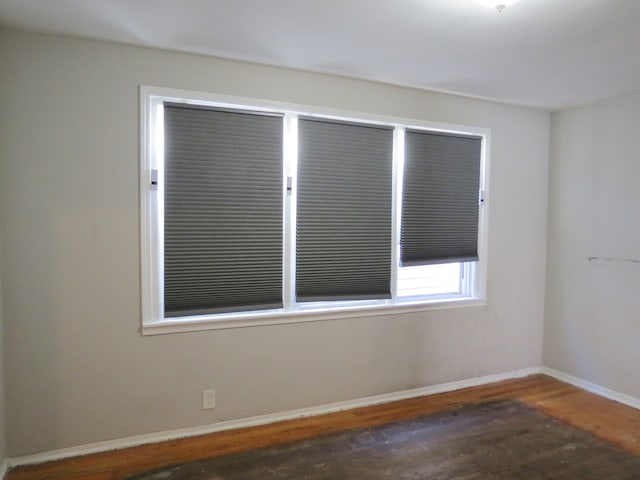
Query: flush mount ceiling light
(499, 5)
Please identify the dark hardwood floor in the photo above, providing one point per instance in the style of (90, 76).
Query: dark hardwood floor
(611, 421)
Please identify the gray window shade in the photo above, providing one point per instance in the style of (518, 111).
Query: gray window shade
(223, 210)
(343, 245)
(440, 198)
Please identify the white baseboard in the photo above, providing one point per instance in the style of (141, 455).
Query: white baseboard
(3, 469)
(308, 412)
(264, 419)
(593, 388)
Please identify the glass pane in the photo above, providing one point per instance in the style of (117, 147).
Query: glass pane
(429, 279)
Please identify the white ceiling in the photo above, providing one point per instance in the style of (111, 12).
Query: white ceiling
(543, 53)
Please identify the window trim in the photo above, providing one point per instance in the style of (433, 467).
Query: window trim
(152, 322)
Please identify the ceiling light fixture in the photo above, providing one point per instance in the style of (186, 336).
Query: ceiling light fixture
(499, 5)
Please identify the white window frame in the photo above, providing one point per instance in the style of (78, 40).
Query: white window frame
(473, 283)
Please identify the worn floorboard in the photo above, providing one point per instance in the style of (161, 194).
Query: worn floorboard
(502, 439)
(608, 420)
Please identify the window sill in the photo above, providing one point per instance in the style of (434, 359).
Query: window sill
(193, 324)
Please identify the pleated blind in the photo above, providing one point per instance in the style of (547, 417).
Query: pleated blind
(222, 210)
(440, 198)
(343, 245)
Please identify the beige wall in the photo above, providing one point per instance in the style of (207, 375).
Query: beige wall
(3, 435)
(593, 274)
(78, 371)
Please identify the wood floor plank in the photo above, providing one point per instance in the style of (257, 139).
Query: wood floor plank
(608, 420)
(498, 439)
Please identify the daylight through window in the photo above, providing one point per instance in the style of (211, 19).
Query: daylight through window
(251, 212)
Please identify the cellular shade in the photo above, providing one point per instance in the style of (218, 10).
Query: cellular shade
(222, 210)
(440, 198)
(343, 244)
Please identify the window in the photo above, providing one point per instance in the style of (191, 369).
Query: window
(253, 212)
(222, 210)
(344, 211)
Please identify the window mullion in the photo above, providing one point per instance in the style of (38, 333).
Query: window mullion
(290, 158)
(159, 165)
(398, 164)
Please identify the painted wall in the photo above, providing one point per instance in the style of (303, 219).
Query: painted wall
(78, 371)
(593, 271)
(3, 434)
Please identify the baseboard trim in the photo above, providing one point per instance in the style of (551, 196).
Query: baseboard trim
(4, 466)
(263, 419)
(309, 412)
(593, 388)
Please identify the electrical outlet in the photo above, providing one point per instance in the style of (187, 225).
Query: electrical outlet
(208, 399)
